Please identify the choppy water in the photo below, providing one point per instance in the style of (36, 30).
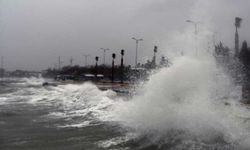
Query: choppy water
(63, 117)
(187, 106)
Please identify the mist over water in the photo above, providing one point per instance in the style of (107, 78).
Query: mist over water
(193, 104)
(179, 106)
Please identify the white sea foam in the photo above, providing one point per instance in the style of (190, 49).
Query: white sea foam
(188, 101)
(183, 99)
(3, 100)
(78, 125)
(116, 141)
(76, 100)
(193, 100)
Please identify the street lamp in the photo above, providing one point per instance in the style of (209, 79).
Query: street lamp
(113, 67)
(71, 61)
(195, 32)
(136, 54)
(238, 21)
(155, 51)
(2, 67)
(86, 60)
(122, 54)
(59, 63)
(96, 66)
(104, 54)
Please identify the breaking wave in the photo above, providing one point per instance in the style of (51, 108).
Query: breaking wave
(191, 104)
(181, 107)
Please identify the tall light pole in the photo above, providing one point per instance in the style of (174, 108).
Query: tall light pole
(71, 61)
(238, 21)
(122, 66)
(154, 58)
(104, 54)
(195, 23)
(86, 60)
(136, 53)
(113, 67)
(59, 63)
(96, 66)
(2, 66)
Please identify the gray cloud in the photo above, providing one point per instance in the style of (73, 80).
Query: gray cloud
(33, 33)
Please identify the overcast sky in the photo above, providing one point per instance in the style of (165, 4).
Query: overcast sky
(33, 33)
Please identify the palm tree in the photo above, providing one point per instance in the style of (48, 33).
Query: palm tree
(238, 21)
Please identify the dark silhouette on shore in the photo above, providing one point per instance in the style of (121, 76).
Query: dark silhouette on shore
(114, 73)
(237, 25)
(122, 66)
(96, 65)
(113, 67)
(244, 57)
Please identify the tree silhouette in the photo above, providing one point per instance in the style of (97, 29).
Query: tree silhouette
(244, 55)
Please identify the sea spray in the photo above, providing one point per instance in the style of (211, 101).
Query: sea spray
(179, 102)
(178, 108)
(83, 100)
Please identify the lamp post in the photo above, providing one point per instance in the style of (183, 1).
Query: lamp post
(86, 60)
(2, 67)
(238, 21)
(113, 67)
(154, 60)
(96, 66)
(71, 61)
(59, 63)
(195, 32)
(136, 53)
(104, 54)
(122, 54)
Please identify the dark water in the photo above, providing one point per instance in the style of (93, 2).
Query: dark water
(26, 125)
(33, 117)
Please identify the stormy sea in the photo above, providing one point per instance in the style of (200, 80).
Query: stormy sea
(192, 104)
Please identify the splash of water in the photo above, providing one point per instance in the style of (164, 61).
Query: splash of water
(178, 105)
(180, 102)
